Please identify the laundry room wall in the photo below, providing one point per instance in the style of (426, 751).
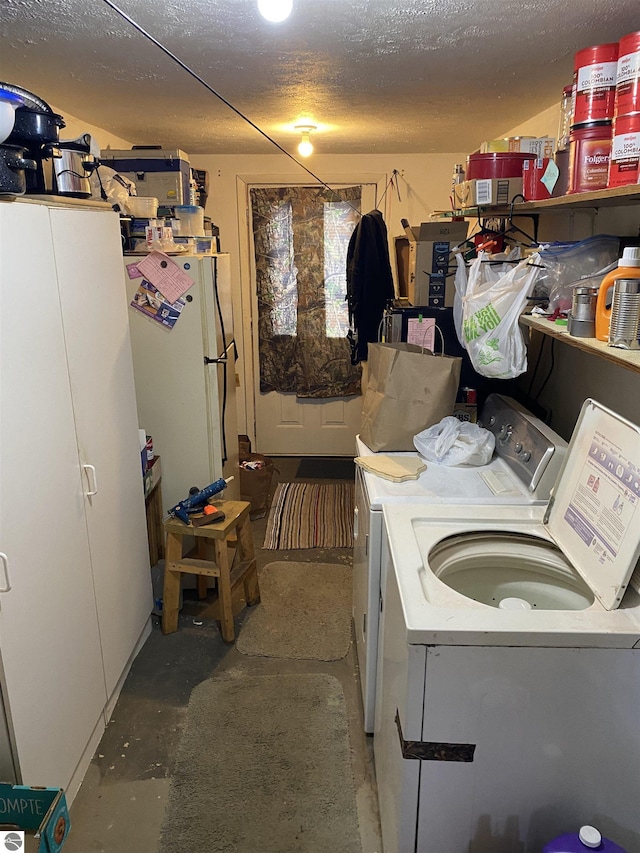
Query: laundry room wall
(424, 183)
(424, 186)
(75, 127)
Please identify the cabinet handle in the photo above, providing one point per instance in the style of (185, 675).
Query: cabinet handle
(93, 479)
(5, 570)
(355, 522)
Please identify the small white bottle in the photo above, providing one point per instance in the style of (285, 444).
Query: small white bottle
(458, 176)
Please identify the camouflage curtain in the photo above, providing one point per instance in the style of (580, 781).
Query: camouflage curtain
(300, 237)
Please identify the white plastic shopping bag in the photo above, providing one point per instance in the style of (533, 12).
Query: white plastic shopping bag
(460, 283)
(453, 442)
(490, 312)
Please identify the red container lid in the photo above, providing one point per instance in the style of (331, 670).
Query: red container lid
(629, 43)
(595, 54)
(498, 164)
(592, 125)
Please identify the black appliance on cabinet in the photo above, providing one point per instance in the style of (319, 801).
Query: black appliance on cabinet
(33, 160)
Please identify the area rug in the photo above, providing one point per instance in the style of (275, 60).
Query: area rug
(310, 515)
(263, 766)
(304, 613)
(326, 468)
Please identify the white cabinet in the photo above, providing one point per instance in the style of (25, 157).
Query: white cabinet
(80, 597)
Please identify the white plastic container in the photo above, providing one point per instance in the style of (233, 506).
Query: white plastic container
(142, 207)
(191, 220)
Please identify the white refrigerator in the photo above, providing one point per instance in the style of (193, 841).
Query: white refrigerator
(185, 376)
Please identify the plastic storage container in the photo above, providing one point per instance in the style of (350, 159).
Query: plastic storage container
(587, 838)
(142, 207)
(566, 118)
(191, 220)
(628, 267)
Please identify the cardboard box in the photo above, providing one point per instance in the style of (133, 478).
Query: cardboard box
(541, 146)
(486, 191)
(152, 475)
(41, 813)
(430, 245)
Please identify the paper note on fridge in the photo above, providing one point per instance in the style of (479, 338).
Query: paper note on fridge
(165, 275)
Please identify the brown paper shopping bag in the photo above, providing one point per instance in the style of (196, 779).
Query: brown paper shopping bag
(406, 390)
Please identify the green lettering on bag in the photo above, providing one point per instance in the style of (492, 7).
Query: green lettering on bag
(470, 330)
(487, 318)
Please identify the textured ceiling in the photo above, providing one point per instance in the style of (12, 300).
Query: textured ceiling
(375, 76)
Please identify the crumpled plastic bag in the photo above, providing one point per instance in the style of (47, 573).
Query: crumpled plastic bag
(453, 442)
(109, 185)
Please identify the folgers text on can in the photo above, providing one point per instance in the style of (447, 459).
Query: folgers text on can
(589, 154)
(594, 83)
(628, 75)
(624, 165)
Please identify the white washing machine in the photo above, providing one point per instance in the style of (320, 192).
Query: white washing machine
(508, 701)
(522, 471)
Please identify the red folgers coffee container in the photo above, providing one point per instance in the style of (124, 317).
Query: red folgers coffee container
(624, 165)
(594, 83)
(628, 75)
(589, 153)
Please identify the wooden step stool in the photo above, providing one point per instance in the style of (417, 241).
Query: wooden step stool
(233, 532)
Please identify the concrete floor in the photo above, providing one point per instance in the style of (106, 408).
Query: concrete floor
(120, 805)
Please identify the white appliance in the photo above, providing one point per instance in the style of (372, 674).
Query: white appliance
(523, 469)
(185, 380)
(509, 666)
(75, 583)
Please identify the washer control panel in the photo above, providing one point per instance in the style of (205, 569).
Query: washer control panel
(532, 450)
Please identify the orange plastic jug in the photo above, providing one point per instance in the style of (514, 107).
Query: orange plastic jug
(628, 267)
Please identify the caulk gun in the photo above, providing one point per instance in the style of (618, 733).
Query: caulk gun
(197, 500)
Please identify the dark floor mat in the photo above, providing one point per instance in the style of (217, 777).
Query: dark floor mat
(326, 468)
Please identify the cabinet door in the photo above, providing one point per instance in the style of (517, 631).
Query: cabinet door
(48, 628)
(94, 312)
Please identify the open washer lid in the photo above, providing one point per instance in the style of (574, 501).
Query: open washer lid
(594, 513)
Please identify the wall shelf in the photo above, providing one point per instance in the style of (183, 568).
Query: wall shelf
(619, 196)
(616, 197)
(629, 359)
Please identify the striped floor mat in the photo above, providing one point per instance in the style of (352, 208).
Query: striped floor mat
(310, 515)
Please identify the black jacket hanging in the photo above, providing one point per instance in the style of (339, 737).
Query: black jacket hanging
(369, 282)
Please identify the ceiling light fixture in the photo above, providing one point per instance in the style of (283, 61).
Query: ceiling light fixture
(275, 10)
(305, 148)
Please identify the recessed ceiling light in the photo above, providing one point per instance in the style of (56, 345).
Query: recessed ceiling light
(275, 10)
